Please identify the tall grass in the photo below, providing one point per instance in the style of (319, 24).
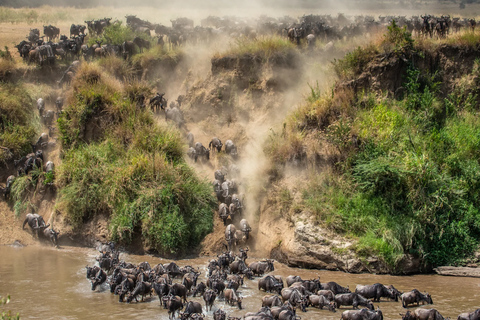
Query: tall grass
(264, 47)
(16, 120)
(133, 171)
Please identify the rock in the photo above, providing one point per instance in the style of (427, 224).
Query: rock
(458, 271)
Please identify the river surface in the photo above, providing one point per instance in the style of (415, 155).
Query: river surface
(48, 283)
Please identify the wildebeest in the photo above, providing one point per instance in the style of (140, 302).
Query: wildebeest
(174, 114)
(8, 186)
(51, 235)
(423, 314)
(40, 106)
(141, 43)
(320, 302)
(352, 299)
(362, 314)
(223, 212)
(231, 148)
(295, 298)
(99, 279)
(35, 222)
(475, 315)
(271, 301)
(190, 308)
(219, 314)
(375, 292)
(215, 144)
(270, 284)
(245, 227)
(180, 290)
(51, 32)
(219, 175)
(415, 296)
(261, 267)
(209, 297)
(201, 151)
(335, 287)
(190, 139)
(231, 236)
(77, 29)
(142, 288)
(173, 304)
(232, 298)
(327, 294)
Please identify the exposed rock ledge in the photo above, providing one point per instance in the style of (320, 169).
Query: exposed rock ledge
(315, 247)
(458, 271)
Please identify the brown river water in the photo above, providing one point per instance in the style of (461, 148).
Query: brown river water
(48, 283)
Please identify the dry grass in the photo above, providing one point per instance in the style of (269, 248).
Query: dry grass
(264, 46)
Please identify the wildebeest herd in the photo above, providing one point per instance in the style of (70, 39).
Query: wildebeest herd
(224, 279)
(306, 29)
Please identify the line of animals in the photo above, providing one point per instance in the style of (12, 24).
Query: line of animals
(40, 229)
(308, 28)
(229, 272)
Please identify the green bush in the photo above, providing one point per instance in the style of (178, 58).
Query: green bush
(16, 120)
(133, 171)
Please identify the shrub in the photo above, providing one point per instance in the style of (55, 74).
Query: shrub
(16, 120)
(355, 62)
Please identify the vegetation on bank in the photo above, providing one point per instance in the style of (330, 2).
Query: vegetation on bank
(130, 168)
(17, 122)
(404, 175)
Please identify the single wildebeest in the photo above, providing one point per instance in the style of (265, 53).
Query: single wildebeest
(335, 287)
(190, 140)
(158, 102)
(271, 301)
(141, 43)
(100, 278)
(261, 267)
(51, 235)
(423, 314)
(40, 106)
(270, 284)
(231, 148)
(209, 297)
(362, 314)
(292, 279)
(245, 228)
(219, 175)
(475, 315)
(352, 299)
(295, 298)
(175, 115)
(375, 292)
(8, 186)
(223, 212)
(201, 151)
(219, 314)
(231, 236)
(142, 288)
(48, 117)
(232, 298)
(215, 144)
(178, 289)
(173, 304)
(320, 302)
(327, 294)
(415, 296)
(35, 222)
(199, 289)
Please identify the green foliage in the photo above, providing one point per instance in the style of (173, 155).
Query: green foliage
(114, 34)
(355, 61)
(16, 120)
(412, 185)
(399, 38)
(264, 47)
(7, 314)
(133, 171)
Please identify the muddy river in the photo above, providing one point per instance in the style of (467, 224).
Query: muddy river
(46, 283)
